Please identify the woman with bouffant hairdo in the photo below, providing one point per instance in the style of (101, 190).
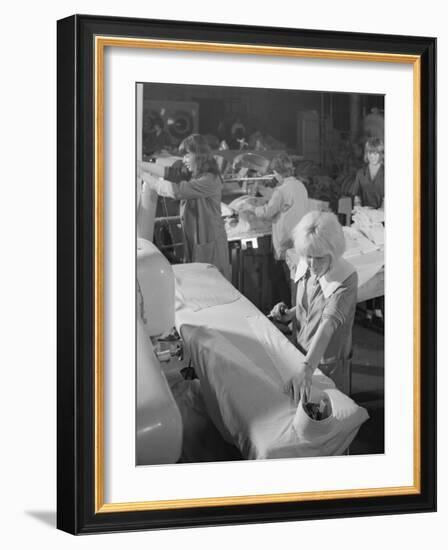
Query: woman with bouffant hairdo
(205, 238)
(325, 303)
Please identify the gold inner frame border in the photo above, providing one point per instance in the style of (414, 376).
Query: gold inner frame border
(101, 42)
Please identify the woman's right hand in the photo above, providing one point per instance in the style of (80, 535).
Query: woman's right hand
(280, 312)
(150, 181)
(248, 209)
(299, 385)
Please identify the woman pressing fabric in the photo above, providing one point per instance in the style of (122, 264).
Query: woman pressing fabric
(205, 238)
(325, 305)
(286, 207)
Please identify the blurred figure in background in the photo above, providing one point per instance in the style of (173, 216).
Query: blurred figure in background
(205, 238)
(156, 138)
(368, 188)
(373, 124)
(287, 205)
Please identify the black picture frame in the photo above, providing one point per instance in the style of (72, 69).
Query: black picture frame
(78, 501)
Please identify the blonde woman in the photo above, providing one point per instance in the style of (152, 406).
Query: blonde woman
(368, 190)
(325, 305)
(368, 187)
(205, 238)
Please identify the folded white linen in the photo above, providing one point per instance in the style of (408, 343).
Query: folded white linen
(374, 232)
(356, 243)
(247, 223)
(367, 265)
(199, 286)
(370, 222)
(364, 215)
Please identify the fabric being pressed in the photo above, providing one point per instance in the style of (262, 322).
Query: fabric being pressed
(242, 361)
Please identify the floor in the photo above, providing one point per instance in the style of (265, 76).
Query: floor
(201, 440)
(368, 388)
(203, 443)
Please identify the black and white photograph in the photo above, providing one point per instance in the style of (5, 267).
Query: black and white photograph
(210, 340)
(260, 268)
(246, 341)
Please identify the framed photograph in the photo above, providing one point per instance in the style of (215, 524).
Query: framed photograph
(246, 274)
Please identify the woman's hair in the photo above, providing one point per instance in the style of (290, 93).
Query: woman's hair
(203, 159)
(282, 164)
(319, 234)
(376, 145)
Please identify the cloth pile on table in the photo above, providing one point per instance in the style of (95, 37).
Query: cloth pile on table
(226, 211)
(356, 242)
(247, 222)
(370, 222)
(250, 162)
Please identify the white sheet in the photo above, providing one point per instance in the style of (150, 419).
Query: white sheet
(198, 287)
(370, 222)
(243, 361)
(357, 243)
(367, 265)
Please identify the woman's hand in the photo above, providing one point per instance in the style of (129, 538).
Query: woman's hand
(150, 180)
(249, 209)
(281, 313)
(299, 386)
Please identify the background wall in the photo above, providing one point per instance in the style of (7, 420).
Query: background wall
(27, 276)
(271, 111)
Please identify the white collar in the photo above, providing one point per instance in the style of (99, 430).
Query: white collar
(332, 280)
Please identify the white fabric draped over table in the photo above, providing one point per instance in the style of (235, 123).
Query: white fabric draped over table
(243, 361)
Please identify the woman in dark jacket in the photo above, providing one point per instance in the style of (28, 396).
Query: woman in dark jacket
(205, 237)
(369, 181)
(368, 190)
